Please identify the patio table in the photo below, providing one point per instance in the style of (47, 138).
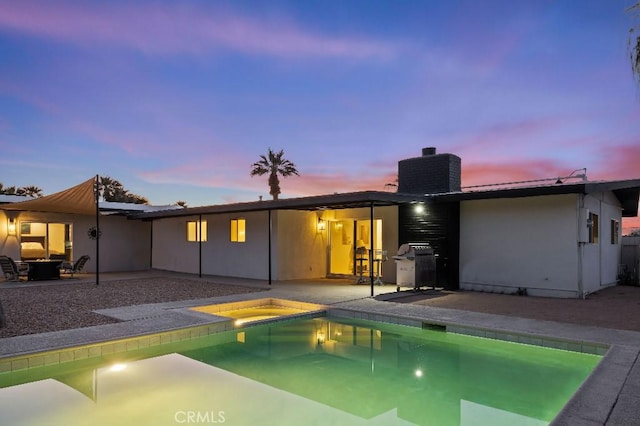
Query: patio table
(44, 270)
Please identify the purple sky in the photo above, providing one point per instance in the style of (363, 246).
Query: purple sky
(177, 99)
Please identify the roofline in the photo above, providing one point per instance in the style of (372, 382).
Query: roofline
(627, 192)
(318, 202)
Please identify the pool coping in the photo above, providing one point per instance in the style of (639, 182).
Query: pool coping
(608, 396)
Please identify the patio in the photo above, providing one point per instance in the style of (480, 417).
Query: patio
(608, 397)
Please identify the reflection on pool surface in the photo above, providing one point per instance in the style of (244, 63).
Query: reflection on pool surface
(322, 371)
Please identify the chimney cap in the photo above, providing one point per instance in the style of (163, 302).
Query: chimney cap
(428, 151)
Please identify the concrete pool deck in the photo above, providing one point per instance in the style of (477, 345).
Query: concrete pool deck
(611, 395)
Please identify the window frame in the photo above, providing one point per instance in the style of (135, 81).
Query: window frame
(199, 232)
(238, 230)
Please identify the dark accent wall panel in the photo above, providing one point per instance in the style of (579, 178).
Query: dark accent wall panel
(439, 226)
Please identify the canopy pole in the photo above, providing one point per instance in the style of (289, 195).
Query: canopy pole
(96, 192)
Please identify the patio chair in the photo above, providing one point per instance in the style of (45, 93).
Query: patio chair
(11, 270)
(67, 267)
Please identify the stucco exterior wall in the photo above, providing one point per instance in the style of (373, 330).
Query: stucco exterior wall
(507, 244)
(124, 245)
(9, 245)
(601, 259)
(171, 251)
(301, 249)
(220, 256)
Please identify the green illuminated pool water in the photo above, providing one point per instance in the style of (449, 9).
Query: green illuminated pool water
(313, 371)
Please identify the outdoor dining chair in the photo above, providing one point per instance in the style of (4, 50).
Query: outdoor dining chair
(67, 267)
(11, 270)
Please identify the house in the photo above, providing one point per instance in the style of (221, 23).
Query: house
(546, 238)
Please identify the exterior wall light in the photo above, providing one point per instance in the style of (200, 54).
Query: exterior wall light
(11, 226)
(322, 225)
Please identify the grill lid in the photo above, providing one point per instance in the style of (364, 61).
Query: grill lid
(411, 250)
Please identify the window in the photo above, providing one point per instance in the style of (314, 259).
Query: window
(238, 230)
(194, 231)
(615, 231)
(44, 240)
(594, 230)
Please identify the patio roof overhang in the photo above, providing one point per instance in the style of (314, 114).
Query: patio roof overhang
(364, 199)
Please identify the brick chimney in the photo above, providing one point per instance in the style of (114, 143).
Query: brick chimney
(429, 174)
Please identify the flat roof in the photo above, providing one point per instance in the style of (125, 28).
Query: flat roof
(627, 192)
(319, 202)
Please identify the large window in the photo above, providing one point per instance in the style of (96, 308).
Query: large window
(42, 240)
(197, 231)
(238, 234)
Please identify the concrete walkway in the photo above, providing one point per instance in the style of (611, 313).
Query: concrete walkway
(610, 396)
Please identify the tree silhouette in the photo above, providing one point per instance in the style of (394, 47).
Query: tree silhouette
(114, 191)
(31, 191)
(274, 164)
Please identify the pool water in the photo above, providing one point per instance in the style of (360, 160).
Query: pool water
(312, 371)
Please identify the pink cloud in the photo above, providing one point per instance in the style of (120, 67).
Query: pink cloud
(619, 162)
(503, 135)
(176, 29)
(483, 173)
(630, 224)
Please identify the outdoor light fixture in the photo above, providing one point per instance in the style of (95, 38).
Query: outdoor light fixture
(322, 225)
(419, 208)
(11, 226)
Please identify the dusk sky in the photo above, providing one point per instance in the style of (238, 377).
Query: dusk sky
(176, 99)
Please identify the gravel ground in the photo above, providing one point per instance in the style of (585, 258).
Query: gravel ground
(30, 310)
(614, 307)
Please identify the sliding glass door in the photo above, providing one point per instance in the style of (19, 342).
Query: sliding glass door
(46, 241)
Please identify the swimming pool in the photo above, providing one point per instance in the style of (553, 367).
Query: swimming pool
(323, 370)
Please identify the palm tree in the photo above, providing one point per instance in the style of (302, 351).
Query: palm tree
(274, 164)
(181, 203)
(31, 191)
(7, 190)
(113, 190)
(634, 42)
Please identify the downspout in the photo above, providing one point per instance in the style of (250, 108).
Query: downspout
(269, 244)
(372, 251)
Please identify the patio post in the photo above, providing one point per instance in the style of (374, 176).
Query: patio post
(372, 249)
(269, 243)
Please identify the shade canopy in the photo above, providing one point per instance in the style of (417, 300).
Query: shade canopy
(79, 199)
